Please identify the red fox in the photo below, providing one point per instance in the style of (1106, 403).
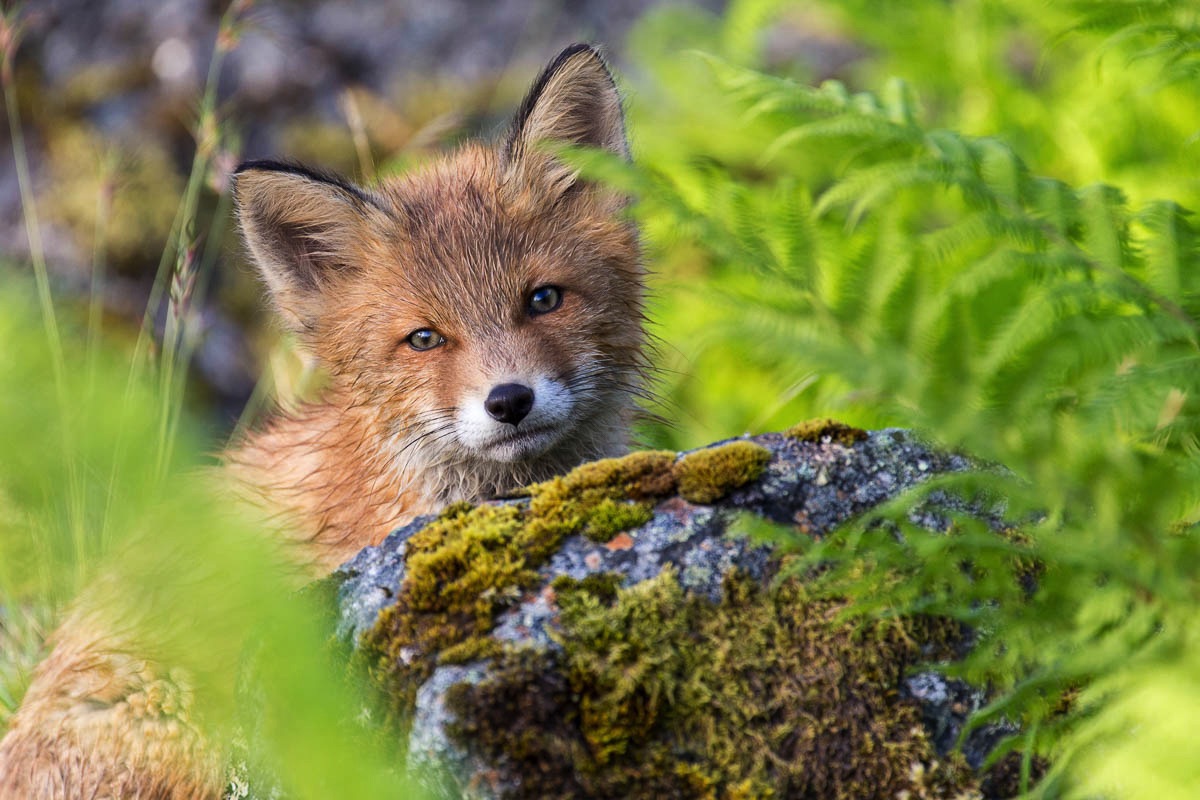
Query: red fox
(480, 320)
(481, 323)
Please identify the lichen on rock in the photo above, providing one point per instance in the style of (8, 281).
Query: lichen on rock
(599, 635)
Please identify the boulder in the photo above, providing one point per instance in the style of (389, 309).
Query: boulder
(604, 634)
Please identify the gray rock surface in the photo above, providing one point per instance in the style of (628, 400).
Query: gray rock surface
(813, 486)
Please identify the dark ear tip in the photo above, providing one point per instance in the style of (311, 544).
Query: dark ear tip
(262, 164)
(595, 51)
(307, 173)
(580, 47)
(291, 167)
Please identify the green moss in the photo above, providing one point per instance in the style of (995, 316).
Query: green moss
(602, 498)
(473, 649)
(603, 585)
(707, 475)
(821, 430)
(609, 517)
(658, 693)
(471, 563)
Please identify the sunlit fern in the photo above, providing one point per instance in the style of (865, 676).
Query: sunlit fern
(1046, 327)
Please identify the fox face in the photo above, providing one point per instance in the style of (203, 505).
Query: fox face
(485, 311)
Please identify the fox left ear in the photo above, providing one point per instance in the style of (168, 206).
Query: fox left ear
(303, 229)
(574, 101)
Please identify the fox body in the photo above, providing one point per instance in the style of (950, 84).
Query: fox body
(480, 321)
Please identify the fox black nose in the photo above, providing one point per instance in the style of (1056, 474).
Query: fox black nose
(509, 402)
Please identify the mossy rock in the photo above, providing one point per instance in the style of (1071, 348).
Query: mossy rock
(826, 430)
(603, 636)
(656, 692)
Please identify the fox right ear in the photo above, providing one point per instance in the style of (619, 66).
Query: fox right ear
(574, 101)
(303, 229)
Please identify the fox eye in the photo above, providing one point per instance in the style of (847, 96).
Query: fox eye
(544, 299)
(425, 339)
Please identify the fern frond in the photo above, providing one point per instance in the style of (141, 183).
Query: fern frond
(1162, 31)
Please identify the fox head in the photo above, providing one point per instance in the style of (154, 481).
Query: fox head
(484, 309)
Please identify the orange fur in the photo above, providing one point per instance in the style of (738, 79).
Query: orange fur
(468, 249)
(456, 248)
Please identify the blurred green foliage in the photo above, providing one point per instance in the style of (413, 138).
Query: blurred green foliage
(163, 563)
(112, 514)
(981, 232)
(1069, 87)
